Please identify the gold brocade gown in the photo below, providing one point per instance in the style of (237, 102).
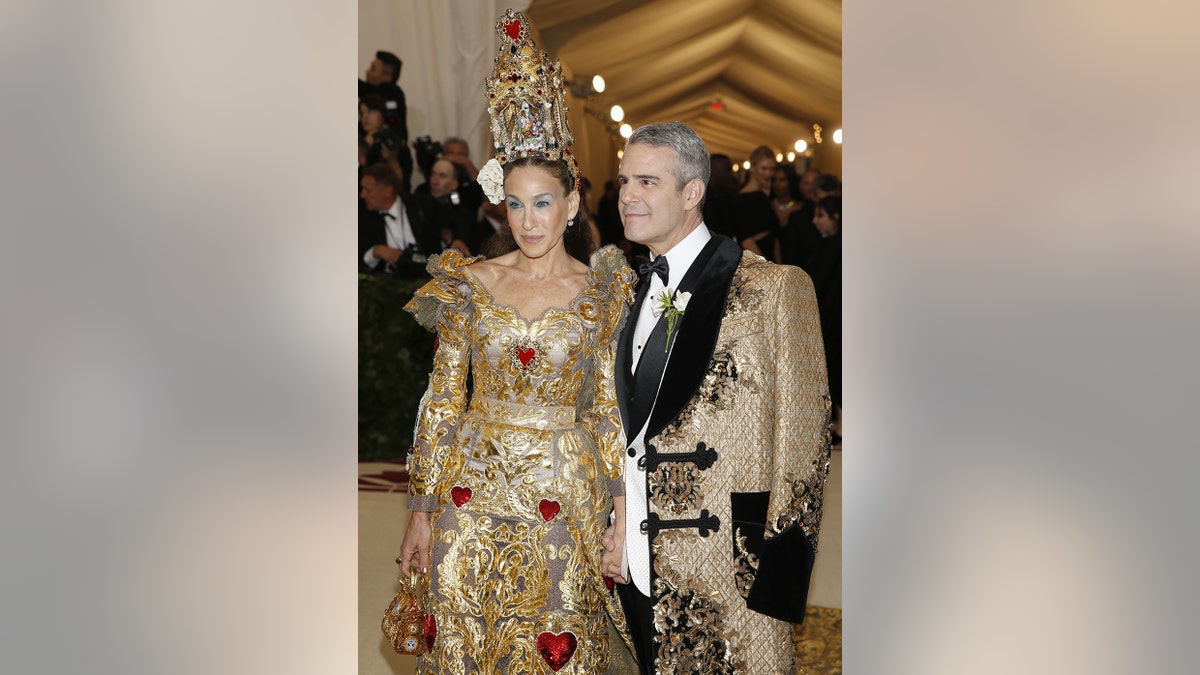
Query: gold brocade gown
(518, 444)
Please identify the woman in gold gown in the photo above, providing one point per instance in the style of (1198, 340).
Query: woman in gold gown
(519, 441)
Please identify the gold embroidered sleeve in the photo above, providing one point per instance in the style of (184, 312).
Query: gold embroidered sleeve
(444, 306)
(801, 458)
(603, 418)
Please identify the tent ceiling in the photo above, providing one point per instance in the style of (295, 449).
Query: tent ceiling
(775, 65)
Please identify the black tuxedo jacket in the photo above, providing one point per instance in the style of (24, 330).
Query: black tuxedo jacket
(372, 230)
(694, 338)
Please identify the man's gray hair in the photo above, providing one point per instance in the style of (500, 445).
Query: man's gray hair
(691, 153)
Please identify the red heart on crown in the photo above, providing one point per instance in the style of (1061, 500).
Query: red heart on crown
(460, 495)
(513, 28)
(549, 509)
(557, 648)
(430, 631)
(526, 355)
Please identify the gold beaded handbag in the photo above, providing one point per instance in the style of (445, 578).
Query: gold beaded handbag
(406, 625)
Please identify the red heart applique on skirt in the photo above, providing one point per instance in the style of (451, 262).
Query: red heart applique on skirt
(549, 509)
(557, 648)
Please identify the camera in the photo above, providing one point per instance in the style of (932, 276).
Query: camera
(428, 152)
(390, 139)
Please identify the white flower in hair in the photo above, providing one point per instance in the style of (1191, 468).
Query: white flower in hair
(491, 179)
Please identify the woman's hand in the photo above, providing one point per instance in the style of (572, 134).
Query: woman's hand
(415, 549)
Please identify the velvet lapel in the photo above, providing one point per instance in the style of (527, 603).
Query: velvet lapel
(708, 281)
(624, 383)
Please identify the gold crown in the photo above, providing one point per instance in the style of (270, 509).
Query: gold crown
(526, 99)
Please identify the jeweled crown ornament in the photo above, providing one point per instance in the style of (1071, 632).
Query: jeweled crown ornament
(526, 99)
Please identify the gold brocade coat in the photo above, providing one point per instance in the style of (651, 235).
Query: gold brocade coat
(518, 447)
(736, 459)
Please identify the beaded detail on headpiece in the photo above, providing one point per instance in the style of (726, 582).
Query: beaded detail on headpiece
(526, 99)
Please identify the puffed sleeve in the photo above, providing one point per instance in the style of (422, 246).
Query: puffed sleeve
(614, 282)
(443, 306)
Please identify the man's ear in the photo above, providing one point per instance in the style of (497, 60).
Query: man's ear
(693, 192)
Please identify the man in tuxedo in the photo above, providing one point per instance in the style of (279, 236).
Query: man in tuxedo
(392, 238)
(720, 377)
(445, 209)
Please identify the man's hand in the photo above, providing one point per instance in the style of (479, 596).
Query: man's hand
(614, 548)
(464, 162)
(387, 253)
(415, 549)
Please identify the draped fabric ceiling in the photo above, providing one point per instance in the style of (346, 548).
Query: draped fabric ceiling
(774, 65)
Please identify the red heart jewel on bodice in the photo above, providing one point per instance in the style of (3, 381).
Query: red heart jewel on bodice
(513, 28)
(557, 648)
(460, 495)
(526, 355)
(549, 509)
(430, 631)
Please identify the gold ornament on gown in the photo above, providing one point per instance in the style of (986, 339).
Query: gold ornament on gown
(518, 473)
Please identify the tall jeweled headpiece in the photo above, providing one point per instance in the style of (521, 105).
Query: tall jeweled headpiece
(526, 100)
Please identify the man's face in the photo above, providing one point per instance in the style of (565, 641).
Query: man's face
(378, 197)
(652, 206)
(443, 180)
(376, 73)
(454, 149)
(806, 183)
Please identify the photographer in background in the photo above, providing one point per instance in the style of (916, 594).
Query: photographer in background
(384, 144)
(382, 77)
(457, 151)
(392, 237)
(444, 208)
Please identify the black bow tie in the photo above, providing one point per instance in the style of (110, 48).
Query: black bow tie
(659, 267)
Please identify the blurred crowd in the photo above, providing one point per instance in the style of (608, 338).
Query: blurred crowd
(787, 216)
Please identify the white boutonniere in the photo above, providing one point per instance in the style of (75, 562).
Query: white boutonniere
(673, 304)
(491, 179)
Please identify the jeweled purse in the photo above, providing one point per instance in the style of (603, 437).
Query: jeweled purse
(406, 625)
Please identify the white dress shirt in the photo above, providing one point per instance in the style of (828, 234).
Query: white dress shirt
(399, 232)
(637, 545)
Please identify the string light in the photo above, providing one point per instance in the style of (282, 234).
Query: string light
(620, 154)
(801, 145)
(791, 156)
(837, 137)
(817, 133)
(617, 113)
(626, 131)
(779, 157)
(746, 165)
(598, 84)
